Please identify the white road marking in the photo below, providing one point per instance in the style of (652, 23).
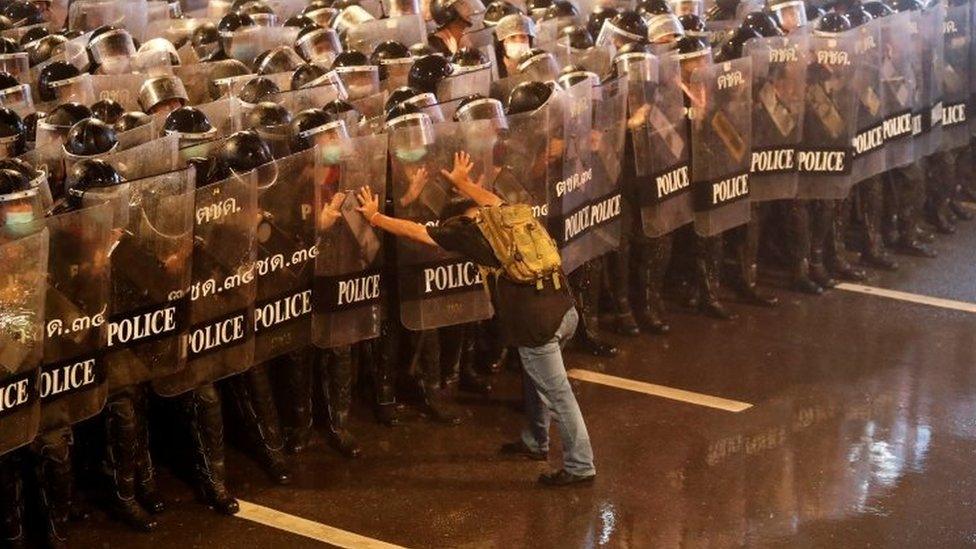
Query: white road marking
(307, 528)
(718, 403)
(911, 298)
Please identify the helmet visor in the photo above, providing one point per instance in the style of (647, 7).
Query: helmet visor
(319, 46)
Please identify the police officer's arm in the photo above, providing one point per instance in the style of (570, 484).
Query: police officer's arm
(460, 177)
(369, 206)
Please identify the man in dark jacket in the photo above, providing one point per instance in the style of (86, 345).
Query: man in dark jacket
(537, 321)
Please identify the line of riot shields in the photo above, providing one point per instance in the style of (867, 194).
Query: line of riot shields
(173, 273)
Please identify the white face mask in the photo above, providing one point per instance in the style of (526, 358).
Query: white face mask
(514, 50)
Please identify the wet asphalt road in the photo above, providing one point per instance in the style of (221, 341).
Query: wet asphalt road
(862, 433)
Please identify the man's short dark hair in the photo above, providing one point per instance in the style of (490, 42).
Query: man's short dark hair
(458, 207)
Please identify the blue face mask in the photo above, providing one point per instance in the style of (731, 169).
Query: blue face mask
(19, 222)
(331, 155)
(411, 155)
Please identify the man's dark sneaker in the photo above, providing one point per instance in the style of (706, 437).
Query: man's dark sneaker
(518, 448)
(563, 477)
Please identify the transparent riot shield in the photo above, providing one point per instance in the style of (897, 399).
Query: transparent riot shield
(407, 29)
(720, 98)
(824, 156)
(246, 43)
(360, 81)
(22, 300)
(77, 89)
(198, 77)
(307, 98)
(121, 88)
(349, 285)
(900, 69)
(483, 40)
(463, 84)
(286, 254)
(87, 15)
(607, 141)
(73, 383)
(928, 138)
(868, 154)
(779, 67)
(527, 157)
(436, 288)
(569, 204)
(16, 65)
(661, 152)
(370, 106)
(150, 158)
(597, 59)
(956, 76)
(148, 316)
(220, 341)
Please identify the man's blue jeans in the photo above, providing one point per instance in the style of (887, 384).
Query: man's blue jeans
(547, 389)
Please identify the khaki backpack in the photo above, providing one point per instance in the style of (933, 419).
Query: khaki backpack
(522, 245)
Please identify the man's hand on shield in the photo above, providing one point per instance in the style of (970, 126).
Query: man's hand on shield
(331, 212)
(461, 172)
(418, 180)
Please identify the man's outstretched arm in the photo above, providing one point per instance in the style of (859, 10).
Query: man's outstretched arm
(460, 177)
(369, 207)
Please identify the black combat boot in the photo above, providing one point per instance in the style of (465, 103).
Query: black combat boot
(421, 387)
(708, 259)
(202, 410)
(747, 249)
(837, 262)
(655, 256)
(585, 283)
(821, 222)
(337, 393)
(252, 393)
(146, 491)
(910, 184)
(55, 482)
(11, 502)
(298, 379)
(380, 357)
(121, 435)
(872, 204)
(800, 244)
(618, 274)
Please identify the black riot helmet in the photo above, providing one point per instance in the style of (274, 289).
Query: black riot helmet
(428, 71)
(208, 170)
(570, 75)
(814, 11)
(388, 50)
(89, 174)
(444, 12)
(41, 50)
(351, 58)
(35, 33)
(228, 68)
(528, 96)
(305, 74)
(421, 49)
(650, 8)
(244, 151)
(560, 9)
(576, 36)
(479, 107)
(107, 41)
(692, 24)
(20, 166)
(398, 96)
(13, 133)
(233, 21)
(8, 46)
(832, 23)
(301, 21)
(51, 73)
(258, 89)
(595, 20)
(498, 9)
(537, 8)
(205, 39)
(630, 21)
(90, 137)
(877, 9)
(340, 109)
(306, 124)
(132, 120)
(189, 123)
(732, 47)
(107, 110)
(277, 59)
(23, 13)
(66, 115)
(906, 5)
(8, 81)
(857, 15)
(267, 114)
(690, 47)
(469, 58)
(260, 13)
(722, 10)
(762, 23)
(321, 11)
